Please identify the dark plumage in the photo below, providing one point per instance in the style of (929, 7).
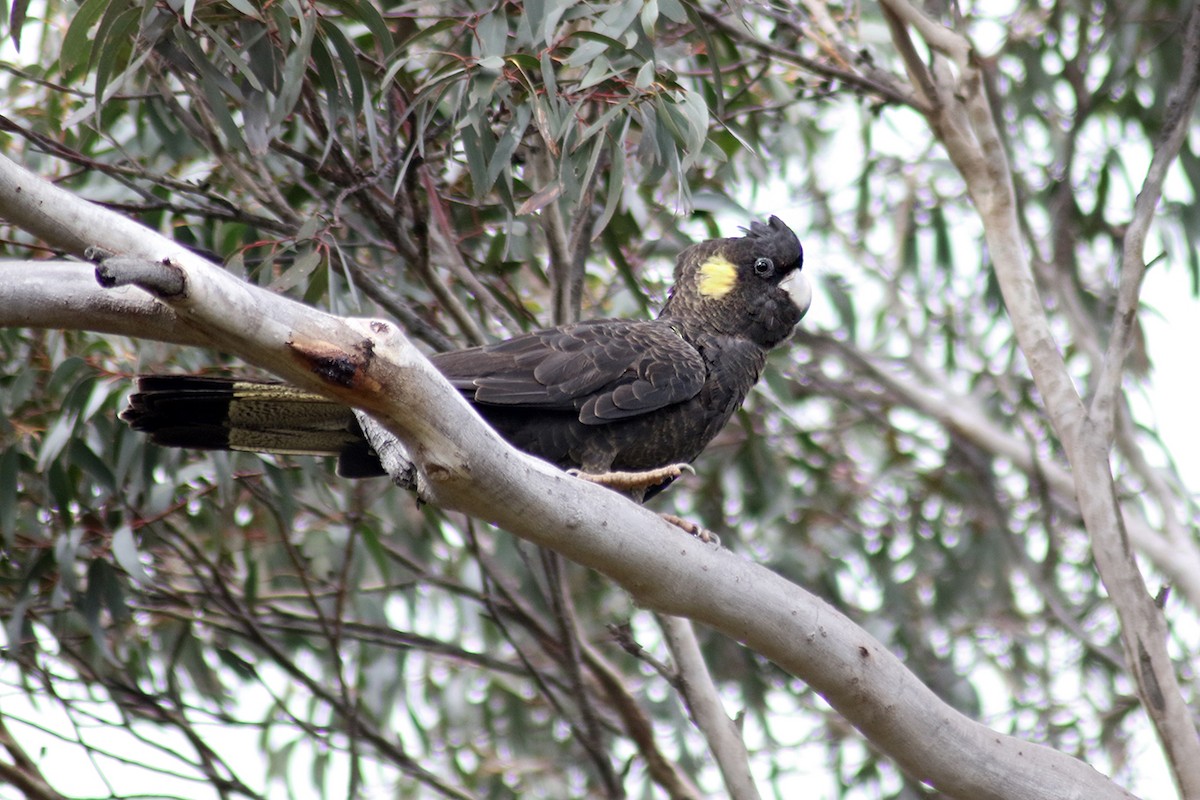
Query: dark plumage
(598, 396)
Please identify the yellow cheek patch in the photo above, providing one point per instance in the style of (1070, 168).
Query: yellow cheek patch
(718, 276)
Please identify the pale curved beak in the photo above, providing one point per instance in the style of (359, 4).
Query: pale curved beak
(800, 289)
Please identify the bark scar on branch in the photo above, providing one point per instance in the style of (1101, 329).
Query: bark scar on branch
(333, 364)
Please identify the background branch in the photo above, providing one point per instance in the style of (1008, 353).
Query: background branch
(706, 709)
(963, 117)
(1181, 108)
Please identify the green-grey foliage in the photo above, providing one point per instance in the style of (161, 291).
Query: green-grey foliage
(473, 169)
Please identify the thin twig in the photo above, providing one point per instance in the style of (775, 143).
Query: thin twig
(23, 772)
(1181, 106)
(887, 90)
(592, 737)
(703, 700)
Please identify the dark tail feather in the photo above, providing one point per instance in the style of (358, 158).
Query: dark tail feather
(255, 416)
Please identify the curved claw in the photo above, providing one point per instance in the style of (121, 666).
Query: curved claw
(699, 531)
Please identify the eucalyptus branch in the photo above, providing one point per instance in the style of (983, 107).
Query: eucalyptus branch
(78, 299)
(467, 467)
